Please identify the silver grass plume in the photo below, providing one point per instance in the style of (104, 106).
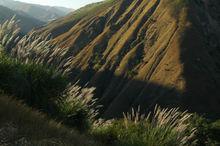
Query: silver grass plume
(169, 119)
(77, 96)
(40, 50)
(33, 47)
(9, 31)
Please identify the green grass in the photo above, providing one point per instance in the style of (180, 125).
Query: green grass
(164, 127)
(77, 108)
(36, 84)
(208, 131)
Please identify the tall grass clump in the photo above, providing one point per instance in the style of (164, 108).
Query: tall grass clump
(32, 47)
(9, 32)
(77, 108)
(163, 127)
(41, 50)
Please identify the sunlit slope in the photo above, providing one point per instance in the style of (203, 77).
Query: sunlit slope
(143, 52)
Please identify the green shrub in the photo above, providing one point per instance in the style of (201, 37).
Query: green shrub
(36, 84)
(162, 128)
(77, 108)
(208, 132)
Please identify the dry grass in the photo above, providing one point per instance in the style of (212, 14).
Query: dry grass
(77, 108)
(171, 120)
(22, 125)
(9, 31)
(32, 47)
(163, 127)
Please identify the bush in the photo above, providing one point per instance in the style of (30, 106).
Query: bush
(208, 132)
(36, 84)
(77, 108)
(164, 128)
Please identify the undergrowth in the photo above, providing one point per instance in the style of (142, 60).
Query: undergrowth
(36, 84)
(163, 127)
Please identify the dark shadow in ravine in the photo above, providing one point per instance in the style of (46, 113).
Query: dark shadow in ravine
(200, 52)
(118, 94)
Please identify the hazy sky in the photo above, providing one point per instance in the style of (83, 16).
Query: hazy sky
(65, 3)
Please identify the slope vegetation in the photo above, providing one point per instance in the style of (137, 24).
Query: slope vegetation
(143, 52)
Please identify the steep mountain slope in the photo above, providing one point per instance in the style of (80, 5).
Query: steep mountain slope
(42, 13)
(26, 23)
(144, 52)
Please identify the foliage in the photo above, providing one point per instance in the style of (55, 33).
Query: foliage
(9, 31)
(36, 84)
(207, 132)
(33, 47)
(41, 50)
(164, 127)
(77, 108)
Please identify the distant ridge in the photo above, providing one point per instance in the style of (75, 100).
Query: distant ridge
(40, 12)
(26, 23)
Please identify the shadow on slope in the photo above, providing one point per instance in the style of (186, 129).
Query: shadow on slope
(117, 98)
(200, 52)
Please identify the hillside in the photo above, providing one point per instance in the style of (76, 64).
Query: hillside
(27, 73)
(40, 12)
(26, 23)
(29, 127)
(139, 52)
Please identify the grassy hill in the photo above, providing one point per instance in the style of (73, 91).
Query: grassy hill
(139, 52)
(27, 73)
(26, 23)
(40, 12)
